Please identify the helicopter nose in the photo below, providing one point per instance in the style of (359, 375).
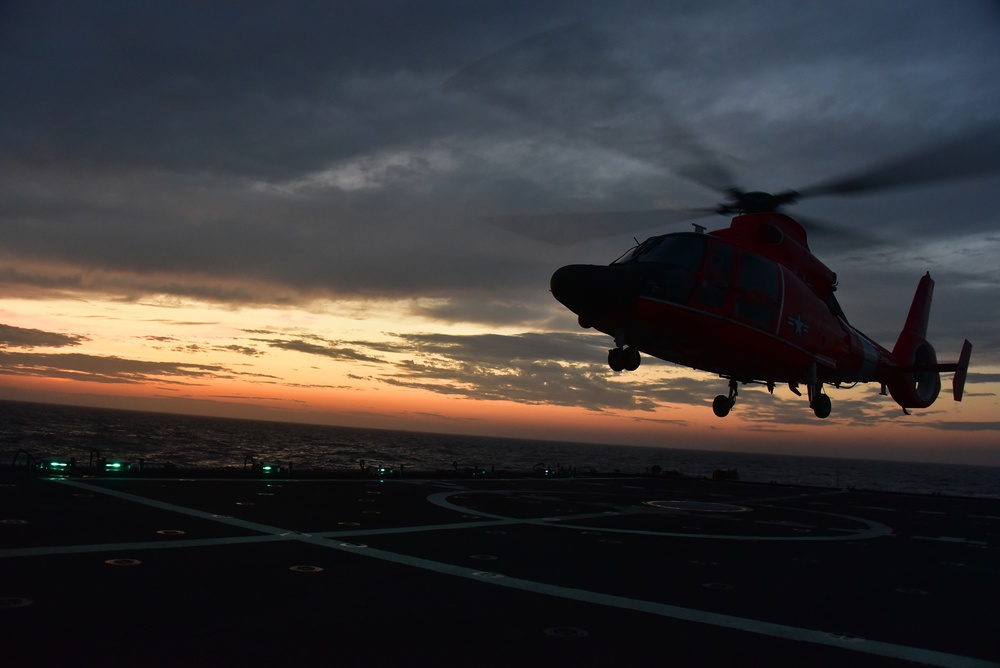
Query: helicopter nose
(594, 290)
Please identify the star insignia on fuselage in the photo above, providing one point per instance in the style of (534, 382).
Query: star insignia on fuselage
(799, 324)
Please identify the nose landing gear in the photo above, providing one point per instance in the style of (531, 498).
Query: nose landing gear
(624, 359)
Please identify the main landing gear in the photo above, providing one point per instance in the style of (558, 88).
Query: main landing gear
(819, 402)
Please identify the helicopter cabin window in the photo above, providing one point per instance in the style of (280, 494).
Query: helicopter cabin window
(680, 257)
(718, 275)
(758, 291)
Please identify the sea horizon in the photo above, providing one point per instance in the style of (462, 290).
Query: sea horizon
(192, 441)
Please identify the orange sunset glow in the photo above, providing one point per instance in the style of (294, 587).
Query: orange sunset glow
(358, 370)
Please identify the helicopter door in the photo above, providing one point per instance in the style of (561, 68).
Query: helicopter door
(714, 289)
(758, 291)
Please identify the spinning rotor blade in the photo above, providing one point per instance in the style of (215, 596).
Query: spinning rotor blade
(836, 235)
(969, 155)
(567, 81)
(562, 228)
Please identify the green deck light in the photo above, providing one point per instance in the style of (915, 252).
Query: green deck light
(54, 465)
(271, 469)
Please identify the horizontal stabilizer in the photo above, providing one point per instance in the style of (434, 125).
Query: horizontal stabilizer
(962, 369)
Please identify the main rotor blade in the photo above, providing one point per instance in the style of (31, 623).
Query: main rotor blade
(566, 80)
(563, 228)
(971, 154)
(836, 235)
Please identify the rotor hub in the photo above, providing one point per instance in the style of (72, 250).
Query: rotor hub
(742, 202)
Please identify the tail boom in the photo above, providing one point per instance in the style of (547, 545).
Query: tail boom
(914, 379)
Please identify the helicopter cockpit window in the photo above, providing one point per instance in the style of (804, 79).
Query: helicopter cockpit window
(670, 265)
(680, 250)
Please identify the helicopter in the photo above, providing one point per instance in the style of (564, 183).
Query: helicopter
(751, 302)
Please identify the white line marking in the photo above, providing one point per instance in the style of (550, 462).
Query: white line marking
(951, 539)
(875, 647)
(870, 529)
(129, 547)
(163, 505)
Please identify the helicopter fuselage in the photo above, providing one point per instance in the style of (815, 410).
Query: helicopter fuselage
(750, 303)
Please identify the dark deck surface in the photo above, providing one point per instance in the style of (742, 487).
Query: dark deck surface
(500, 572)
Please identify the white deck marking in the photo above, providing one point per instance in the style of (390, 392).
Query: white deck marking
(868, 529)
(951, 539)
(129, 547)
(771, 629)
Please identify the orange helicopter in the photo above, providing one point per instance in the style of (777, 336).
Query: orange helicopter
(751, 302)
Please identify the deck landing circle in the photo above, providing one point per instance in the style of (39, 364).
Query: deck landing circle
(698, 506)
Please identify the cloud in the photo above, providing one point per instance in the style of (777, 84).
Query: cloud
(963, 426)
(107, 369)
(324, 349)
(528, 368)
(976, 378)
(488, 310)
(21, 337)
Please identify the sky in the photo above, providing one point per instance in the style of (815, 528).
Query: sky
(288, 211)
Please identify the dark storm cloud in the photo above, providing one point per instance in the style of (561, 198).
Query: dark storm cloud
(260, 152)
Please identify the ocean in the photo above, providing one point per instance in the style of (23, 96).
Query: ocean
(46, 431)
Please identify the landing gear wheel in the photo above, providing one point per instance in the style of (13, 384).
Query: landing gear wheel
(616, 359)
(822, 406)
(632, 359)
(723, 404)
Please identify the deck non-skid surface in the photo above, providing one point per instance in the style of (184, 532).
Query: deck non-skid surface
(236, 571)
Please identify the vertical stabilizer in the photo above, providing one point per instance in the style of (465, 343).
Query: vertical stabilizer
(916, 377)
(917, 380)
(920, 311)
